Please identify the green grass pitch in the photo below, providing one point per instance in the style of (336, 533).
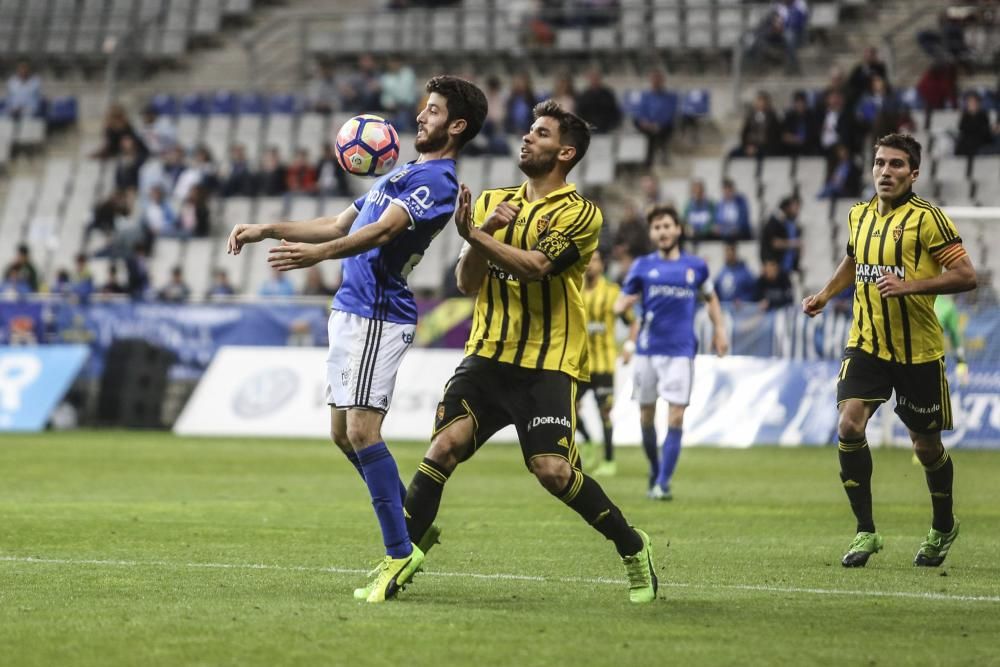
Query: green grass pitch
(146, 549)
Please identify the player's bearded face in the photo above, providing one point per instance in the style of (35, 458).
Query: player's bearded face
(540, 148)
(891, 173)
(431, 138)
(665, 233)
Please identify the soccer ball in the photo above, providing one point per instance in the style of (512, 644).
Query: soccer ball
(367, 145)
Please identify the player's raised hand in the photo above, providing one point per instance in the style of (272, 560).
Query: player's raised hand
(463, 212)
(813, 305)
(504, 214)
(243, 234)
(288, 256)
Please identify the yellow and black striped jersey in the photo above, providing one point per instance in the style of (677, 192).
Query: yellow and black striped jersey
(599, 302)
(538, 324)
(915, 240)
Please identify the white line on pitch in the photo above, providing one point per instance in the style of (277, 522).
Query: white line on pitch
(505, 577)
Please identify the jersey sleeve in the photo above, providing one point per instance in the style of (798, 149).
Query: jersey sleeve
(706, 286)
(939, 236)
(572, 235)
(426, 195)
(851, 217)
(615, 291)
(359, 203)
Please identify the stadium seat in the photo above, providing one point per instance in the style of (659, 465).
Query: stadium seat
(285, 103)
(62, 111)
(302, 208)
(248, 132)
(189, 130)
(251, 103)
(167, 253)
(197, 259)
(19, 199)
(696, 103)
(280, 132)
(224, 102)
(194, 104)
(312, 128)
(164, 104)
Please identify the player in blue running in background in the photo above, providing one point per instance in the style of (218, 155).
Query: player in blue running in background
(381, 237)
(668, 284)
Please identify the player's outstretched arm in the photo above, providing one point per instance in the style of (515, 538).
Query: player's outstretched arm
(472, 265)
(310, 231)
(287, 256)
(624, 303)
(842, 278)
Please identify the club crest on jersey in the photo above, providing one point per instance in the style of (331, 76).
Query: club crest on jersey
(689, 275)
(897, 233)
(542, 224)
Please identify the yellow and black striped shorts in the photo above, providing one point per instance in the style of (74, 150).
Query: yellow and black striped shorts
(923, 401)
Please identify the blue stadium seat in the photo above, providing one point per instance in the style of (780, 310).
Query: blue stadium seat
(194, 104)
(285, 103)
(911, 98)
(252, 103)
(696, 103)
(164, 104)
(62, 111)
(224, 102)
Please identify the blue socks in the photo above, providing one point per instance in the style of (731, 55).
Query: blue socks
(649, 446)
(382, 477)
(671, 452)
(352, 456)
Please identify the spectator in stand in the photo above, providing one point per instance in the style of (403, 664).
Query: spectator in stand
(193, 216)
(114, 285)
(137, 266)
(798, 128)
(761, 134)
(157, 132)
(774, 289)
(844, 180)
(202, 171)
(975, 136)
(794, 16)
(598, 105)
(947, 43)
(732, 214)
(238, 179)
(24, 92)
(699, 213)
(859, 83)
(655, 115)
(81, 280)
(564, 93)
(734, 283)
(331, 180)
(116, 127)
(177, 290)
(880, 112)
(271, 179)
(24, 267)
(649, 191)
(323, 90)
(519, 104)
(836, 82)
(837, 126)
(938, 86)
(781, 237)
(108, 217)
(13, 287)
(164, 172)
(363, 89)
(128, 164)
(315, 286)
(301, 176)
(158, 217)
(491, 139)
(277, 285)
(399, 94)
(63, 286)
(220, 287)
(631, 239)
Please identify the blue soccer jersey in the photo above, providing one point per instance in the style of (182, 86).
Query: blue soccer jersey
(669, 292)
(374, 282)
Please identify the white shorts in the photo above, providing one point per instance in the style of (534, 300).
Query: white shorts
(363, 360)
(657, 376)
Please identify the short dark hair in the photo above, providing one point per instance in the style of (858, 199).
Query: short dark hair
(658, 210)
(905, 143)
(465, 101)
(573, 130)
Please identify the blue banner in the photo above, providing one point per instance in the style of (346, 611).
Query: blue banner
(32, 382)
(192, 332)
